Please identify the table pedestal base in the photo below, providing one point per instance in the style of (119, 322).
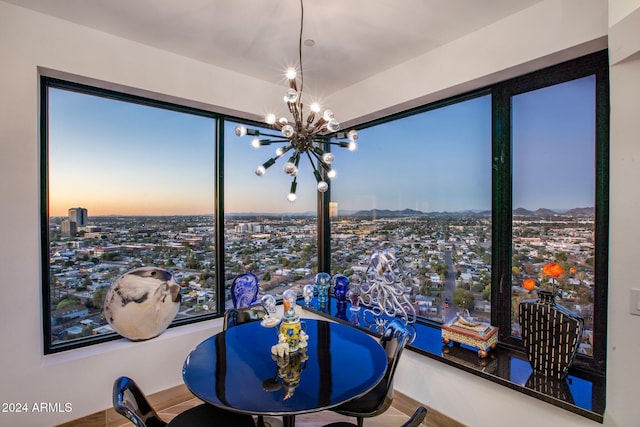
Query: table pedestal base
(288, 420)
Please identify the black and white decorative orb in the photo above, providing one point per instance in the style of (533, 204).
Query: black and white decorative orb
(142, 303)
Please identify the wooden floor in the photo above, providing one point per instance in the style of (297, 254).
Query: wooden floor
(175, 400)
(391, 418)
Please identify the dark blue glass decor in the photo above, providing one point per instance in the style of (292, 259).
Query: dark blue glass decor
(340, 287)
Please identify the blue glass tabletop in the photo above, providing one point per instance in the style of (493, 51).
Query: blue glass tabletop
(236, 370)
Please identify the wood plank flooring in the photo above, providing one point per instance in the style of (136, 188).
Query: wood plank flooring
(392, 417)
(168, 403)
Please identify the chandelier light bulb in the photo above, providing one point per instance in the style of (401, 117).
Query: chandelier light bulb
(323, 186)
(352, 135)
(255, 143)
(328, 158)
(288, 131)
(290, 168)
(270, 119)
(291, 73)
(331, 174)
(315, 107)
(260, 170)
(282, 121)
(352, 146)
(333, 125)
(280, 151)
(292, 192)
(241, 130)
(291, 96)
(328, 115)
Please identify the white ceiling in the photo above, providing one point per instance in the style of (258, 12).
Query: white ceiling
(354, 39)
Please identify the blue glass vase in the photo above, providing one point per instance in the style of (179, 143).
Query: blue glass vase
(323, 282)
(340, 287)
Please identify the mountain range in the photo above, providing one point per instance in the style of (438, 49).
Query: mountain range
(387, 213)
(382, 213)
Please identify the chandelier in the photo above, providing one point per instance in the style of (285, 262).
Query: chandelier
(308, 135)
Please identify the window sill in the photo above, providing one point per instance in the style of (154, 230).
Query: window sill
(581, 393)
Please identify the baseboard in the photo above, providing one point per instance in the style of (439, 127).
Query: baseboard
(176, 395)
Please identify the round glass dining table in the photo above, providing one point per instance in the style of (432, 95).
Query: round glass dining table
(236, 370)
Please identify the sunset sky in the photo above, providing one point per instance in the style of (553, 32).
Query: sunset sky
(113, 157)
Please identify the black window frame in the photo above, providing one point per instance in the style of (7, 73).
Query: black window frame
(46, 83)
(590, 65)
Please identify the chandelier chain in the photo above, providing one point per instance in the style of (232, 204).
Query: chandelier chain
(300, 45)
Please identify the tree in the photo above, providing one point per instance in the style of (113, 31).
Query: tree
(486, 293)
(99, 296)
(463, 299)
(67, 302)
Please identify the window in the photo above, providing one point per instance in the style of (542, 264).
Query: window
(421, 185)
(551, 194)
(264, 233)
(553, 151)
(128, 183)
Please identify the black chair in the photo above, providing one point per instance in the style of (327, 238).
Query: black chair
(415, 420)
(238, 316)
(394, 338)
(130, 402)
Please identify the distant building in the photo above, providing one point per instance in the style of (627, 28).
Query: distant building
(79, 216)
(333, 209)
(68, 228)
(72, 312)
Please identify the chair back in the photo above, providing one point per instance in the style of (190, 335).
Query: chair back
(244, 290)
(130, 402)
(394, 338)
(417, 417)
(238, 316)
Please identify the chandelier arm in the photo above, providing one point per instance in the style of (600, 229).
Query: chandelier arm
(272, 135)
(324, 164)
(283, 151)
(295, 112)
(311, 161)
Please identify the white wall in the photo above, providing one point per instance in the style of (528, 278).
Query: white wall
(84, 377)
